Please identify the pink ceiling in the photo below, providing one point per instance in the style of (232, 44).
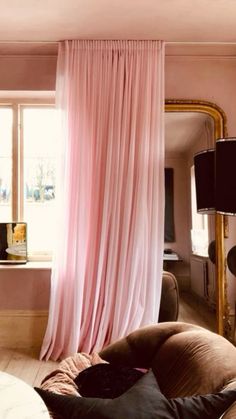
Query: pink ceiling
(170, 20)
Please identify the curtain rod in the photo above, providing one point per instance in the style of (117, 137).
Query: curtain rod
(166, 42)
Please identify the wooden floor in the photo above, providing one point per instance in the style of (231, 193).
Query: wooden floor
(25, 364)
(193, 310)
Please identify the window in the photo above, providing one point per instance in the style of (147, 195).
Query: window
(199, 231)
(6, 121)
(28, 172)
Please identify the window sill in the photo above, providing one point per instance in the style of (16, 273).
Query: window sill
(200, 256)
(29, 265)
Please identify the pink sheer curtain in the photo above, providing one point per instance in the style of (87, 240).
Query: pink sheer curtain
(107, 269)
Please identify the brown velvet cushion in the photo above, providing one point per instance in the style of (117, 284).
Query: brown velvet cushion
(186, 358)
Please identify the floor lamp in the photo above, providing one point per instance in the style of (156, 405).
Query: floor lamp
(226, 188)
(206, 190)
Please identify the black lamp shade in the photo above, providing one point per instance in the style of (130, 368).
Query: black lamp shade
(212, 251)
(226, 176)
(204, 167)
(231, 260)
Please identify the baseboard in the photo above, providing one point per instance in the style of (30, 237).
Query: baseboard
(22, 328)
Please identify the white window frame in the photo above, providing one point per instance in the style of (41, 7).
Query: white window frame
(17, 102)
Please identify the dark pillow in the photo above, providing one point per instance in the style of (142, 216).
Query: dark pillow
(106, 381)
(142, 401)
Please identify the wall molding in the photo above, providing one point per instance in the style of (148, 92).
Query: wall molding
(200, 57)
(22, 328)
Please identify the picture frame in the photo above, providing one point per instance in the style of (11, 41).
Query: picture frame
(13, 243)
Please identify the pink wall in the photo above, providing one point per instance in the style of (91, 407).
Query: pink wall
(206, 78)
(24, 288)
(187, 77)
(28, 72)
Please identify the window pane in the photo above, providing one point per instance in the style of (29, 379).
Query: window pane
(40, 142)
(6, 120)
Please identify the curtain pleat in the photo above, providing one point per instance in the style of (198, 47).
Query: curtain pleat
(107, 268)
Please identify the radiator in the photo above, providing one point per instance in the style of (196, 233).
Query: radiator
(199, 276)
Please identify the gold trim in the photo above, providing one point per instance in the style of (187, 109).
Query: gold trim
(23, 313)
(221, 223)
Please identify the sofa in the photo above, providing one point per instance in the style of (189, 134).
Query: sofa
(186, 360)
(169, 304)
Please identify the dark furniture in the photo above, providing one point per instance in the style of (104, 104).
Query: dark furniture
(169, 305)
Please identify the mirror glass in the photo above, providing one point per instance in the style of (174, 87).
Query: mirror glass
(189, 130)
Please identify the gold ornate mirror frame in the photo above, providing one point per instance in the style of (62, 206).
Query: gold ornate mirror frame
(222, 309)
